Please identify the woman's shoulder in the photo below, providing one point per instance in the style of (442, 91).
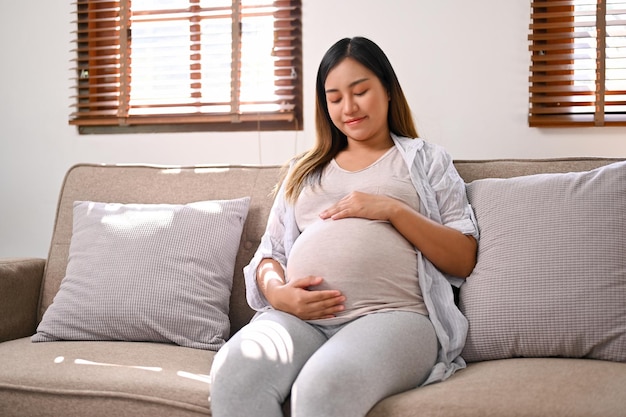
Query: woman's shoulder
(425, 150)
(407, 142)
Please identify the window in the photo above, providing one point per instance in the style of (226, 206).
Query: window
(176, 65)
(578, 63)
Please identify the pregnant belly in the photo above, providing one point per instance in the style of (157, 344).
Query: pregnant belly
(368, 261)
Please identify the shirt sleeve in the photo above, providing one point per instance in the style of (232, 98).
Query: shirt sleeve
(450, 193)
(272, 246)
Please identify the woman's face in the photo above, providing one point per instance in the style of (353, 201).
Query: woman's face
(357, 102)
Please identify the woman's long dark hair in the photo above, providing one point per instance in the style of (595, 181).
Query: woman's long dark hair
(329, 139)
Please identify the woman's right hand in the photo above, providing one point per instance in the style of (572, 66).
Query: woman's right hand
(295, 297)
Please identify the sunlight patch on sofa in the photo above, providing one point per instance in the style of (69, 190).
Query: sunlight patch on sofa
(120, 219)
(116, 365)
(205, 170)
(171, 171)
(196, 377)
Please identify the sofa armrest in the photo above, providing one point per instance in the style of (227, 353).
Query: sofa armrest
(20, 285)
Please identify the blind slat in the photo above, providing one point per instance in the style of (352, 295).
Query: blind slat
(543, 4)
(109, 119)
(565, 46)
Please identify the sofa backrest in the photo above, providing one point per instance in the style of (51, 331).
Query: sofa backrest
(176, 185)
(472, 170)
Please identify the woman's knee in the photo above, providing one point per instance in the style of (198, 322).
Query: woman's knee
(264, 357)
(326, 388)
(261, 351)
(255, 360)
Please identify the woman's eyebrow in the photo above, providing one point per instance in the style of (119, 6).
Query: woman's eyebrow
(352, 84)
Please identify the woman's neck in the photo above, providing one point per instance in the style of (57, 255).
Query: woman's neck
(358, 155)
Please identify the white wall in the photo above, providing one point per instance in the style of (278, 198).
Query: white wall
(434, 46)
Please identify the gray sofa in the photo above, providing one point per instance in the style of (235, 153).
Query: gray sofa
(504, 378)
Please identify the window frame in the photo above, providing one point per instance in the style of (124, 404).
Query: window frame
(554, 100)
(100, 106)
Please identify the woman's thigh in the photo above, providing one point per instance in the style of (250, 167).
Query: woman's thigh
(253, 372)
(369, 359)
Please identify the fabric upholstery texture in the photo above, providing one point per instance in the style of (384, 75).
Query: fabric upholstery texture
(551, 273)
(148, 272)
(20, 280)
(104, 378)
(521, 387)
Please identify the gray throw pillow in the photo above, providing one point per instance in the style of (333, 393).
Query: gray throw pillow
(550, 280)
(148, 272)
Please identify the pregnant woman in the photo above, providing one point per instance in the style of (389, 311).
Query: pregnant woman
(352, 279)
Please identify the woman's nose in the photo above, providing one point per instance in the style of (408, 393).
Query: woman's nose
(349, 105)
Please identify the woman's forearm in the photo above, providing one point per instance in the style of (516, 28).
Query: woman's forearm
(269, 274)
(448, 249)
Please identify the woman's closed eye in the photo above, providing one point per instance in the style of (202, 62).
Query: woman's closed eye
(337, 100)
(333, 98)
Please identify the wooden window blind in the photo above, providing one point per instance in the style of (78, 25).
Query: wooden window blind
(578, 63)
(220, 64)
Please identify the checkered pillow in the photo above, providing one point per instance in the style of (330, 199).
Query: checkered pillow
(551, 273)
(148, 272)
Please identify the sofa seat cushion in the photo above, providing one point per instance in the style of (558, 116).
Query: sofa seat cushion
(103, 379)
(523, 387)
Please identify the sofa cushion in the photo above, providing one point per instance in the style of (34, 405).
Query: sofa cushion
(551, 273)
(148, 272)
(98, 379)
(521, 387)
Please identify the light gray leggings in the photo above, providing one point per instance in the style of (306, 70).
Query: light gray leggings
(329, 371)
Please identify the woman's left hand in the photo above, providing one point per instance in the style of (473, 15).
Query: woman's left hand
(362, 205)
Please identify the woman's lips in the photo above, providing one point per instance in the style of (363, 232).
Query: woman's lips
(354, 121)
